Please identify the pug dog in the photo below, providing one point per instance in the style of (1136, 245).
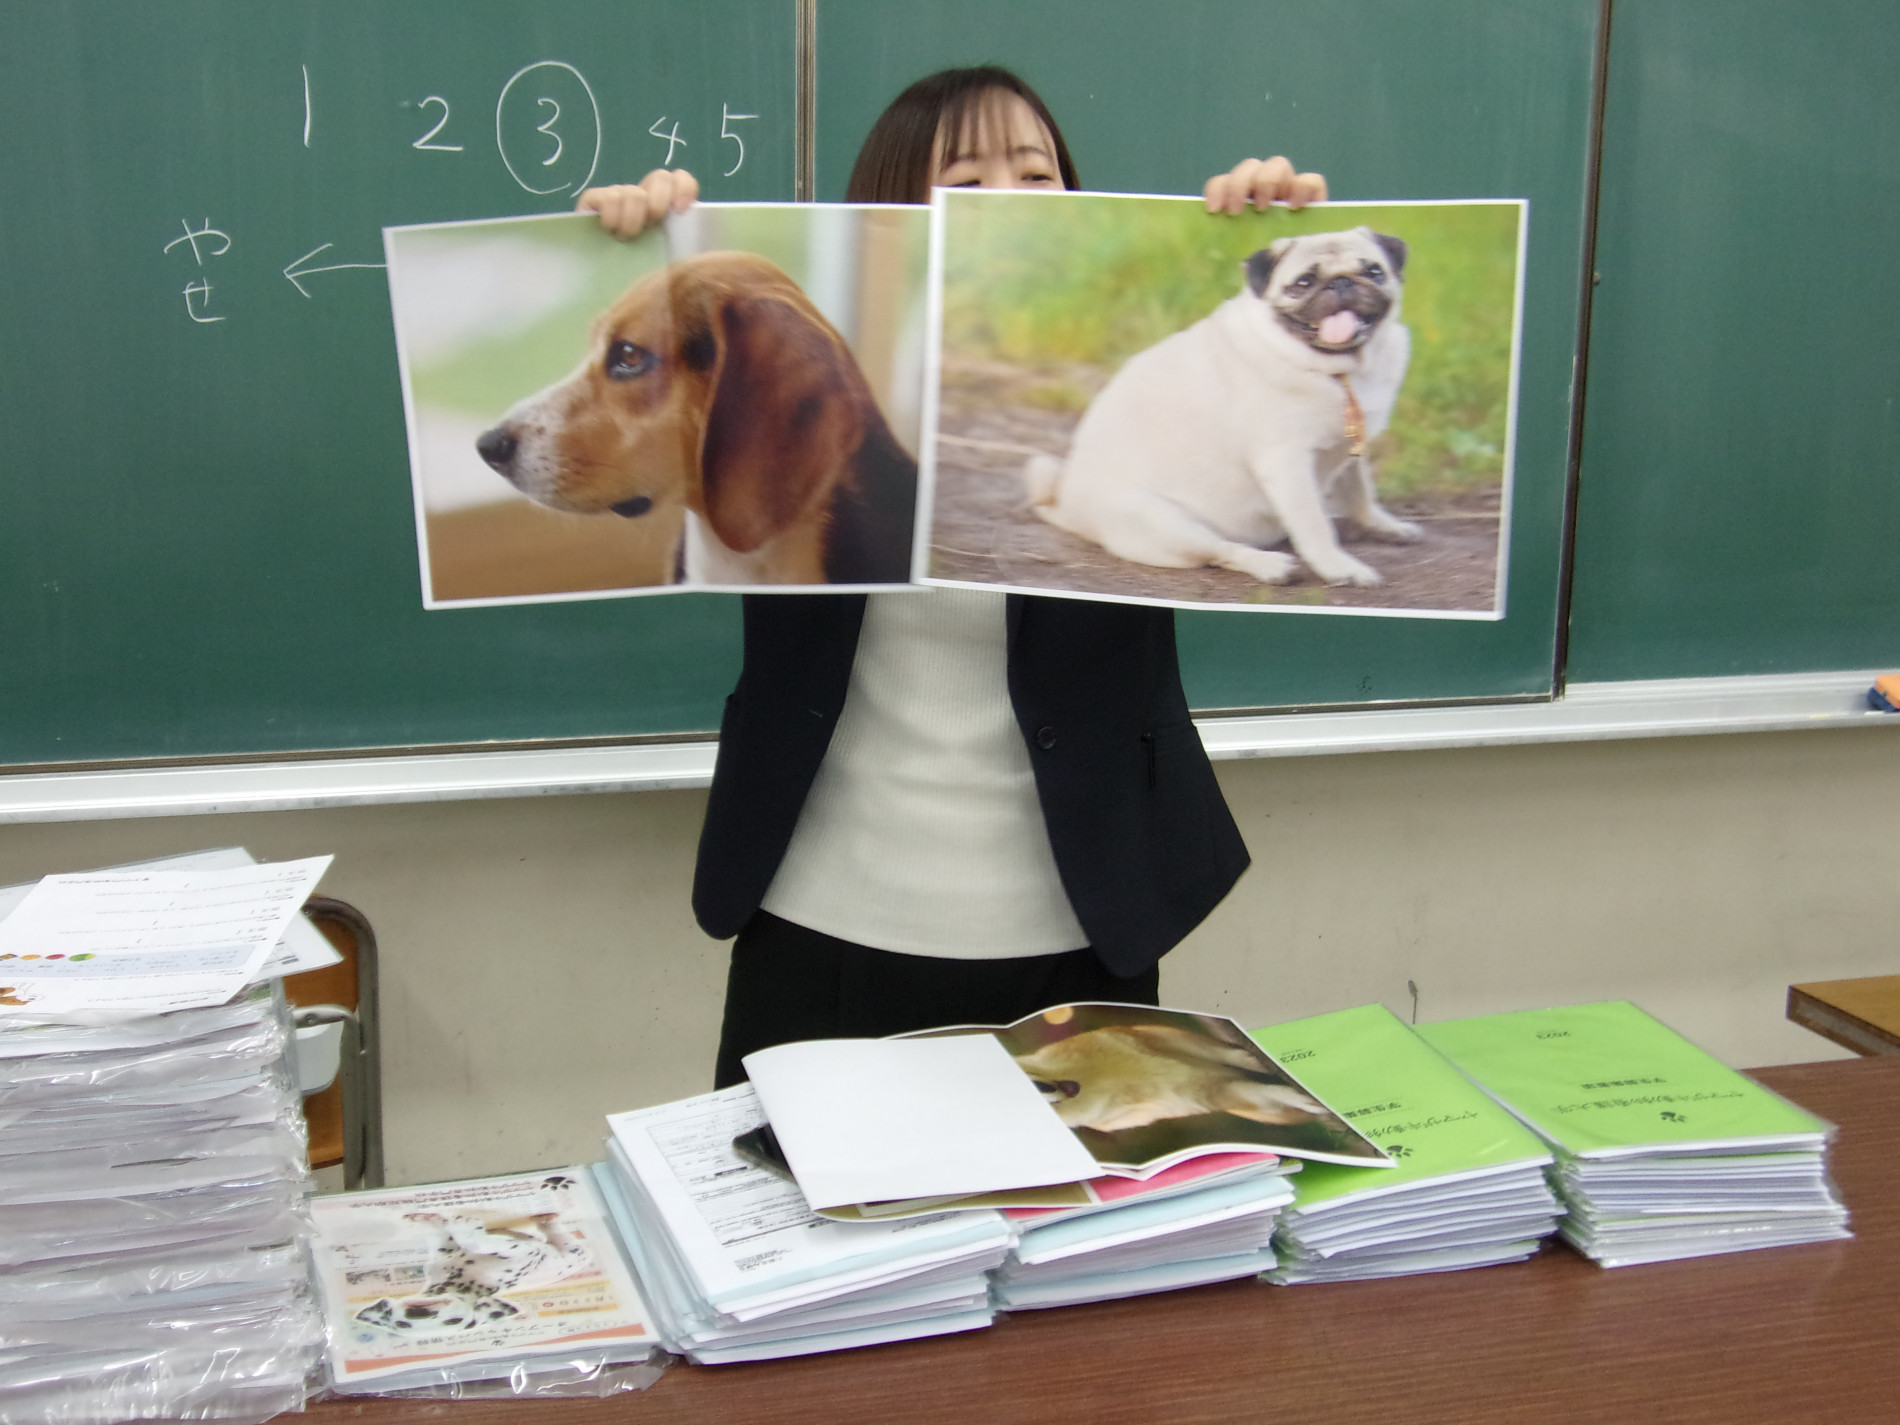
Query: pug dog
(1249, 428)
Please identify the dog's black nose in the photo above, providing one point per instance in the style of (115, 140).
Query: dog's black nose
(497, 447)
(1342, 285)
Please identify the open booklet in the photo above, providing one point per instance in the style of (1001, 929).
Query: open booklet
(1139, 1089)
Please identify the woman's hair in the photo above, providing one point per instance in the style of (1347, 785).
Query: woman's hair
(895, 163)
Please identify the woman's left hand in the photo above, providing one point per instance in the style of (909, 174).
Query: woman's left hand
(1262, 182)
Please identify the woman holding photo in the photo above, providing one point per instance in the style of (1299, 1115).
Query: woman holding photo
(953, 806)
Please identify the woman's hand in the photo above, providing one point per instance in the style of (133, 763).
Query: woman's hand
(1262, 182)
(629, 209)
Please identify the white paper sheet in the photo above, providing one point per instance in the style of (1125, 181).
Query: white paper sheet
(747, 1237)
(302, 948)
(864, 1120)
(146, 941)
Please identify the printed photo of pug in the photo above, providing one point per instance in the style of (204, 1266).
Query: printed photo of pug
(1249, 429)
(1141, 400)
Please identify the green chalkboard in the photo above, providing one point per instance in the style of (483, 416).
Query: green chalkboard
(1738, 510)
(206, 542)
(1392, 99)
(207, 546)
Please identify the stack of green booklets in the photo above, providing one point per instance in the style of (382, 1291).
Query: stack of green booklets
(1662, 1152)
(1468, 1189)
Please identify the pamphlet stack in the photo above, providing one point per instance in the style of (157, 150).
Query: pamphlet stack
(1661, 1151)
(1469, 1187)
(1206, 1220)
(509, 1286)
(735, 1266)
(153, 1254)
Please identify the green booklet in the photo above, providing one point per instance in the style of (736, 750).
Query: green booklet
(1397, 1090)
(1607, 1080)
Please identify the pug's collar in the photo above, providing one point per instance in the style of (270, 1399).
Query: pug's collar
(1355, 418)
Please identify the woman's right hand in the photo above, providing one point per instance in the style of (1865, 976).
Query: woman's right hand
(629, 209)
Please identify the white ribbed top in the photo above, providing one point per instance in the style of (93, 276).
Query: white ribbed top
(922, 833)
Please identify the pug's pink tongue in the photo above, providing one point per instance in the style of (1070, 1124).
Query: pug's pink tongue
(1339, 328)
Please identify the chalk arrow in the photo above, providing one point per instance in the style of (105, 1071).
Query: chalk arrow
(296, 269)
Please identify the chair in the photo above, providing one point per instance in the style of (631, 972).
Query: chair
(346, 1118)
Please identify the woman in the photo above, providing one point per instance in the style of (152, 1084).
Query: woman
(953, 806)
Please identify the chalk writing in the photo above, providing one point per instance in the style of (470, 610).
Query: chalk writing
(672, 137)
(442, 123)
(206, 241)
(726, 119)
(517, 121)
(296, 269)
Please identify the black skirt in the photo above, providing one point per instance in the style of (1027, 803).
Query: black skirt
(789, 983)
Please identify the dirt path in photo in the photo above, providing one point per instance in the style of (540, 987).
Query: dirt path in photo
(992, 417)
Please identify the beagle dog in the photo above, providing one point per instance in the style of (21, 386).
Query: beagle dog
(716, 385)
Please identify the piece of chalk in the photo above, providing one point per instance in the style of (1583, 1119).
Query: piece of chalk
(1884, 696)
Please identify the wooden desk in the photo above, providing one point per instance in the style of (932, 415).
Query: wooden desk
(1789, 1334)
(1862, 1014)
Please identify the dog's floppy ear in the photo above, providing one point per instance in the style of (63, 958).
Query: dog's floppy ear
(1260, 266)
(1395, 249)
(784, 416)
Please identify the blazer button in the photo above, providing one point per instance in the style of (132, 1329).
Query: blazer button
(1045, 738)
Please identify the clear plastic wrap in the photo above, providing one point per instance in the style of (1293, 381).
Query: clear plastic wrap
(157, 1164)
(33, 1232)
(117, 1030)
(76, 1077)
(113, 1281)
(115, 1121)
(154, 1223)
(586, 1377)
(244, 1386)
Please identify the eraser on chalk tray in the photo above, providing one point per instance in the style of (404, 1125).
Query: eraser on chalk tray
(1884, 696)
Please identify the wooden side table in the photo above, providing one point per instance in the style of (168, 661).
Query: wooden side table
(1862, 1014)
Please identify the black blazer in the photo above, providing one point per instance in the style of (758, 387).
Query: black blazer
(1143, 841)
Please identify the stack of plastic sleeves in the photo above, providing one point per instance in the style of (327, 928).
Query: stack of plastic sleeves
(1205, 1220)
(1661, 1151)
(736, 1267)
(1469, 1187)
(152, 1231)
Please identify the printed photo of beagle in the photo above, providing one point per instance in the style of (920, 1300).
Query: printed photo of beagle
(716, 385)
(733, 400)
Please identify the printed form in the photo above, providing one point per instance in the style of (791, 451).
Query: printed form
(146, 941)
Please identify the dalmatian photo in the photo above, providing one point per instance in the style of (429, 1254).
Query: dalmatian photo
(473, 1260)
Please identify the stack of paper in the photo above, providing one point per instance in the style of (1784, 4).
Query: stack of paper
(1206, 1220)
(1469, 1187)
(152, 1187)
(735, 1266)
(1662, 1152)
(516, 1279)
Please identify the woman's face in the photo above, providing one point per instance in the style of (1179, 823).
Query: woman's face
(1003, 145)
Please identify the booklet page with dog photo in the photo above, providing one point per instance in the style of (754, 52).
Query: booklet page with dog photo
(1140, 1089)
(733, 400)
(1134, 399)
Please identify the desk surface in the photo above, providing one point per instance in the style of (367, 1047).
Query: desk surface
(1790, 1333)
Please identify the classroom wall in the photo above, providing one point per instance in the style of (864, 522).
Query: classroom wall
(541, 967)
